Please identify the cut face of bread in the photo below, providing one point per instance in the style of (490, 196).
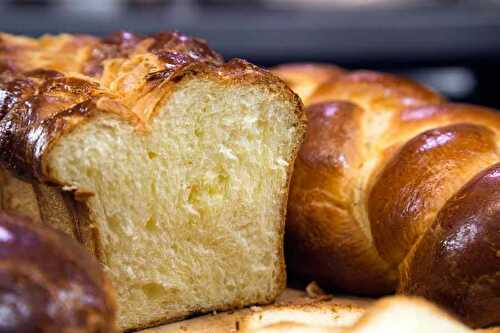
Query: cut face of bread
(186, 213)
(175, 179)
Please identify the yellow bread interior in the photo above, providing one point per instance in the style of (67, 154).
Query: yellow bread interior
(189, 213)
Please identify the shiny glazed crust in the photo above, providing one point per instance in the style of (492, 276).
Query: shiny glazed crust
(44, 95)
(394, 188)
(51, 85)
(50, 283)
(305, 78)
(477, 266)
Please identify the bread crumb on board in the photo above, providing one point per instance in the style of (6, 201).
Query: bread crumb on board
(313, 290)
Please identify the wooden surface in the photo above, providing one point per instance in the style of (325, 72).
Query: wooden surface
(225, 322)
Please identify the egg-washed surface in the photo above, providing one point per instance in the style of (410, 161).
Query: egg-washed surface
(49, 282)
(49, 85)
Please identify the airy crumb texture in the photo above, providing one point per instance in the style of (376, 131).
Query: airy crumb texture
(396, 189)
(189, 212)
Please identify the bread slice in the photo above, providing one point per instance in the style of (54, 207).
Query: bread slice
(169, 165)
(319, 315)
(398, 314)
(409, 315)
(306, 78)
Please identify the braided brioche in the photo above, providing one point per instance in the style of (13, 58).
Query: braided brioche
(169, 165)
(396, 189)
(49, 283)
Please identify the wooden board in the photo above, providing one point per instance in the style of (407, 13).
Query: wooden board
(225, 322)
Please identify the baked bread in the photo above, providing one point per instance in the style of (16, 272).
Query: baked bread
(49, 283)
(391, 314)
(320, 315)
(169, 165)
(305, 78)
(394, 188)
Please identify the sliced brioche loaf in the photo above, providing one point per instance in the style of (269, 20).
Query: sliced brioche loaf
(318, 315)
(169, 165)
(396, 314)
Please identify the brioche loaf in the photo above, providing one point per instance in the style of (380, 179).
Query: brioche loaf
(169, 165)
(394, 188)
(391, 314)
(49, 283)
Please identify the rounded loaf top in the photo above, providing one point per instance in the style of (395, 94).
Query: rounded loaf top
(49, 282)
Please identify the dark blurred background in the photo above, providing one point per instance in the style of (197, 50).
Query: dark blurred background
(451, 45)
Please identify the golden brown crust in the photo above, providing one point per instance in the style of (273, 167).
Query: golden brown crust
(42, 96)
(328, 240)
(374, 91)
(412, 121)
(461, 249)
(49, 282)
(370, 180)
(419, 179)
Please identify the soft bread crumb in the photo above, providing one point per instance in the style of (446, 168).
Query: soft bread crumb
(189, 214)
